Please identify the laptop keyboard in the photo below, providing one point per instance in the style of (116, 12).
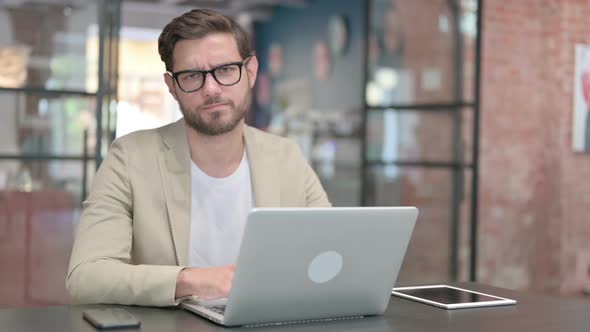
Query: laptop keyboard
(218, 309)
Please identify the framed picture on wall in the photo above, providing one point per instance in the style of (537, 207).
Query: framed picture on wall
(13, 66)
(322, 61)
(338, 32)
(275, 59)
(581, 117)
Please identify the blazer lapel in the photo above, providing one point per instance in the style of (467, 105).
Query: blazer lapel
(174, 162)
(264, 173)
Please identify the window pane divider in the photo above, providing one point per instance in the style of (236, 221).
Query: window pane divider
(436, 107)
(43, 157)
(41, 90)
(419, 163)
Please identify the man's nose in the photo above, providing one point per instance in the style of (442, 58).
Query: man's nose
(210, 86)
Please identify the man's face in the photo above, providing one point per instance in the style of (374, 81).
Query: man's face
(214, 109)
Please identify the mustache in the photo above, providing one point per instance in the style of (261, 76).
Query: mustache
(215, 100)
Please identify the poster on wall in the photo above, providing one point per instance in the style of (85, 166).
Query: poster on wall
(275, 59)
(322, 61)
(13, 66)
(581, 123)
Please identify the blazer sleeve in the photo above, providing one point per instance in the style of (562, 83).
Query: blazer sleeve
(101, 270)
(315, 195)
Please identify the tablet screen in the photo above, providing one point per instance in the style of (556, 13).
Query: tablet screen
(447, 295)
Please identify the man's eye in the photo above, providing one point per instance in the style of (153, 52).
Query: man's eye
(226, 69)
(191, 76)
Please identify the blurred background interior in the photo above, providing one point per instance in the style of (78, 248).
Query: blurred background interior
(470, 110)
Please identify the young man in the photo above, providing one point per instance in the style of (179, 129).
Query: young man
(168, 206)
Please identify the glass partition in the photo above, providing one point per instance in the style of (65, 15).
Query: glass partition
(420, 126)
(431, 255)
(39, 208)
(420, 52)
(426, 136)
(53, 90)
(44, 45)
(47, 124)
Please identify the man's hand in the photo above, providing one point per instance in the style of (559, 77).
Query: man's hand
(207, 283)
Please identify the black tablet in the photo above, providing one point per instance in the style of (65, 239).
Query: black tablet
(450, 297)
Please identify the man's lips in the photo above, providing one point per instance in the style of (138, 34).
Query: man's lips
(212, 107)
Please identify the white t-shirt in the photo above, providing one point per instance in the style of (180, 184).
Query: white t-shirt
(219, 208)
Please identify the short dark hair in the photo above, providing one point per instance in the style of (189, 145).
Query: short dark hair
(196, 24)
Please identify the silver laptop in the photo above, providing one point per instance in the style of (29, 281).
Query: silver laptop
(307, 264)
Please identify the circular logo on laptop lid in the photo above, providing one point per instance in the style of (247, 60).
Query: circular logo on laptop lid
(324, 267)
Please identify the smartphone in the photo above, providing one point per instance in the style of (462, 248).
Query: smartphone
(110, 318)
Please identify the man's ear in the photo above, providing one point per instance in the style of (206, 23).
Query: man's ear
(171, 86)
(252, 68)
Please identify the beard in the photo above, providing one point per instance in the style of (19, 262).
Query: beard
(215, 125)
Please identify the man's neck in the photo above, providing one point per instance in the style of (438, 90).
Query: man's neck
(217, 156)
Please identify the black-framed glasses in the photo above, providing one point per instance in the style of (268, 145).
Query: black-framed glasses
(226, 74)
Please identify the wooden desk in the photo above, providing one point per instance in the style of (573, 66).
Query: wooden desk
(532, 313)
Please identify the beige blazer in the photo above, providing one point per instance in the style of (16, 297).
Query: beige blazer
(133, 235)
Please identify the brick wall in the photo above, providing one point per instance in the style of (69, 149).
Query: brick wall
(535, 191)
